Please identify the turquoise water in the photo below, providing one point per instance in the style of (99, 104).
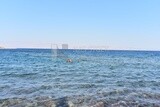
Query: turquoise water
(113, 78)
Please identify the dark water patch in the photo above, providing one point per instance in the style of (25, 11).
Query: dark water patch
(63, 86)
(23, 91)
(85, 85)
(46, 87)
(3, 87)
(20, 75)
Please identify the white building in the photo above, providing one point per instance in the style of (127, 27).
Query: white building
(64, 46)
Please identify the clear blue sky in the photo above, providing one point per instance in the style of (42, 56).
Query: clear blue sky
(119, 24)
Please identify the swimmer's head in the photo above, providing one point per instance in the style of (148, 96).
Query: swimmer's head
(69, 60)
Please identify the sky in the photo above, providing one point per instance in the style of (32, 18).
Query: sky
(116, 24)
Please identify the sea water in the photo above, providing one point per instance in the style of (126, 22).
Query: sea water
(34, 77)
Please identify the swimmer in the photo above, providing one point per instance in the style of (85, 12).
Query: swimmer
(69, 60)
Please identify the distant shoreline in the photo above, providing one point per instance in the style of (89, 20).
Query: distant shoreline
(81, 49)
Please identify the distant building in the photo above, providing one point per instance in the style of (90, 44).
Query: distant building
(1, 47)
(64, 46)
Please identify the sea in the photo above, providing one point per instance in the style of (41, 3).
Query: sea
(92, 78)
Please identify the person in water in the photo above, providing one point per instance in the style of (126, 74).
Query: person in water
(69, 60)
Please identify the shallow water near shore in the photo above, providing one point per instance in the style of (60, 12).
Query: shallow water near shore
(33, 77)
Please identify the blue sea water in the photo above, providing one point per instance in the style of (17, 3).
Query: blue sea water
(111, 78)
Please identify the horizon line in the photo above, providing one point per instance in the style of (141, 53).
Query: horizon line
(84, 49)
